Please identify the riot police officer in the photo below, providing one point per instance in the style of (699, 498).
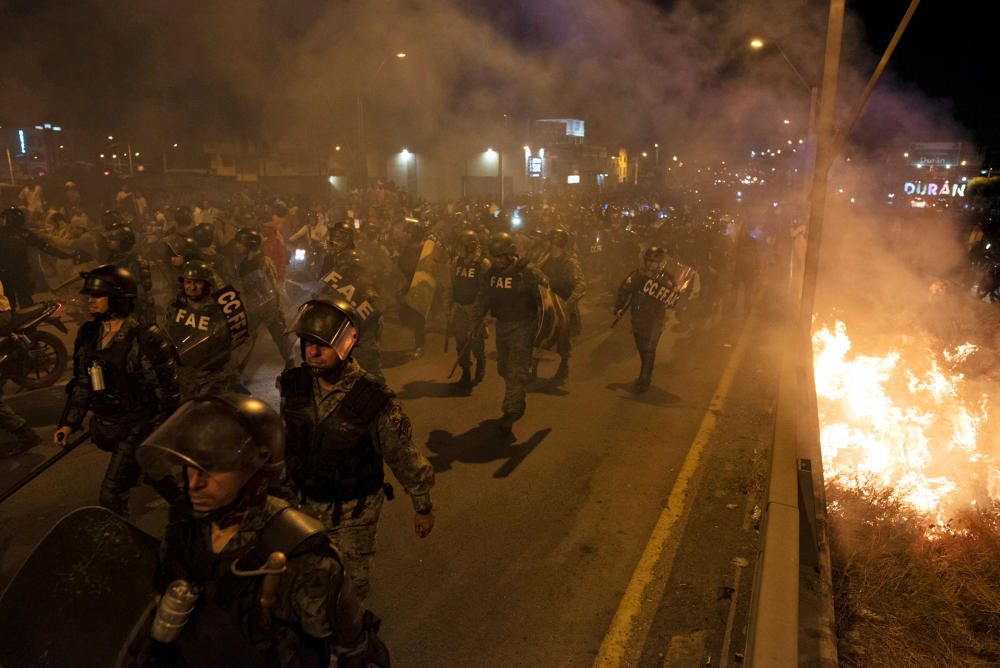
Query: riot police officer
(197, 326)
(273, 590)
(341, 425)
(15, 269)
(124, 373)
(562, 267)
(341, 240)
(204, 238)
(121, 253)
(347, 281)
(260, 288)
(648, 293)
(514, 299)
(469, 287)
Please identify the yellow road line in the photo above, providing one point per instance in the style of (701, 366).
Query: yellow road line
(627, 625)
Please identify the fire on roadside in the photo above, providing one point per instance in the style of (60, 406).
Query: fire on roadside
(906, 420)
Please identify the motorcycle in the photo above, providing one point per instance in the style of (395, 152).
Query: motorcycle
(31, 357)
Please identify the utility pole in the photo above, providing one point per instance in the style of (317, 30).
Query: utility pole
(824, 159)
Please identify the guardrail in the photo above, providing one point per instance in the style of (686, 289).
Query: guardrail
(791, 613)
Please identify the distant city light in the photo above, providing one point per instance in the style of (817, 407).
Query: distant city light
(405, 154)
(335, 148)
(110, 138)
(101, 156)
(645, 155)
(137, 154)
(756, 43)
(175, 145)
(964, 163)
(21, 141)
(675, 159)
(490, 152)
(786, 122)
(401, 55)
(656, 146)
(906, 155)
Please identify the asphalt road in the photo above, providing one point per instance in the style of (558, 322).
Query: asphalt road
(614, 528)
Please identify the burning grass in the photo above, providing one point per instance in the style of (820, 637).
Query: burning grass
(904, 600)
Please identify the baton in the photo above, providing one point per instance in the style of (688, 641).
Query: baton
(465, 348)
(65, 283)
(38, 470)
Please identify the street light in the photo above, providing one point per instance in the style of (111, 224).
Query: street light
(363, 164)
(758, 44)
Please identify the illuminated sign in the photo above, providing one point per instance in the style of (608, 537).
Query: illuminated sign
(946, 189)
(21, 142)
(534, 167)
(573, 178)
(937, 154)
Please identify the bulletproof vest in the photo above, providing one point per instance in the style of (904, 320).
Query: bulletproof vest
(654, 293)
(124, 399)
(560, 275)
(257, 288)
(200, 333)
(334, 458)
(225, 628)
(513, 295)
(466, 280)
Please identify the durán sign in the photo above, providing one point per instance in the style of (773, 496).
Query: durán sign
(932, 189)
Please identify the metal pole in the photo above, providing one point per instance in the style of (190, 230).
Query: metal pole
(845, 132)
(362, 158)
(813, 99)
(10, 166)
(824, 158)
(131, 172)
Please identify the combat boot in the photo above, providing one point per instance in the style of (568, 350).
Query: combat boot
(562, 373)
(466, 379)
(26, 437)
(480, 370)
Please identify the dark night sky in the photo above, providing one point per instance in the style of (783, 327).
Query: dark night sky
(945, 53)
(107, 64)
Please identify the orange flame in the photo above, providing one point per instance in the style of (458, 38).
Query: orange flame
(906, 425)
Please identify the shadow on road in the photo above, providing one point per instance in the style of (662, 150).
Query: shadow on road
(432, 389)
(393, 358)
(16, 466)
(654, 396)
(482, 444)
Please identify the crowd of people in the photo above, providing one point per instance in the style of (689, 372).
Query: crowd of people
(172, 295)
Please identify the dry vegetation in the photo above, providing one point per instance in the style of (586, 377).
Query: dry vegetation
(904, 599)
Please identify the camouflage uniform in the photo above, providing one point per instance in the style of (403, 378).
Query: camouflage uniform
(140, 374)
(514, 300)
(315, 611)
(351, 519)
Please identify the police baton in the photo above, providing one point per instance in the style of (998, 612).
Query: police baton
(621, 311)
(38, 470)
(468, 344)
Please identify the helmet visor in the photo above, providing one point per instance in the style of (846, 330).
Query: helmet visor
(205, 433)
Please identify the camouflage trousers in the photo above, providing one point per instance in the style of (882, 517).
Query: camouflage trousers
(515, 347)
(351, 526)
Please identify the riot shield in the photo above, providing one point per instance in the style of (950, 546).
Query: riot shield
(420, 295)
(553, 320)
(81, 596)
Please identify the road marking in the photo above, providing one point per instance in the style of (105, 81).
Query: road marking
(627, 624)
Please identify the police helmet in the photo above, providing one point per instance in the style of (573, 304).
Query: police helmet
(330, 322)
(342, 234)
(111, 219)
(502, 244)
(559, 237)
(113, 282)
(654, 254)
(14, 217)
(184, 247)
(228, 432)
(249, 237)
(203, 234)
(123, 236)
(197, 270)
(468, 240)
